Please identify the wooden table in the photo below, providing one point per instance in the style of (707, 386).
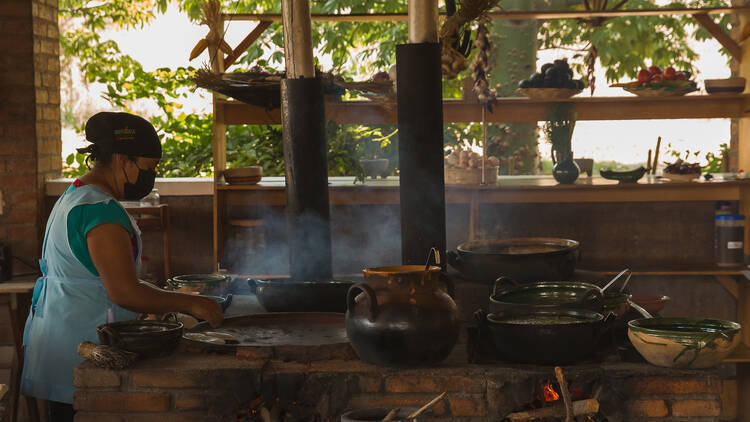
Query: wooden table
(16, 295)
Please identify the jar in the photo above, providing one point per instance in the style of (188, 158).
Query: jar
(729, 236)
(151, 200)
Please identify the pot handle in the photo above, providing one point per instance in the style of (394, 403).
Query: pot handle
(592, 299)
(450, 287)
(253, 284)
(503, 283)
(453, 259)
(111, 338)
(351, 295)
(171, 285)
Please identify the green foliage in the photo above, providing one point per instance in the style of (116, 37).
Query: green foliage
(357, 50)
(561, 121)
(627, 44)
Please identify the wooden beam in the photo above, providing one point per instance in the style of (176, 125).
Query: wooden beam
(519, 110)
(722, 37)
(246, 43)
(730, 284)
(515, 15)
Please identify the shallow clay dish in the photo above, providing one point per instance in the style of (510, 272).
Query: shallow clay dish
(725, 86)
(677, 177)
(548, 93)
(684, 342)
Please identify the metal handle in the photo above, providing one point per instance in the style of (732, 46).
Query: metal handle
(369, 293)
(226, 302)
(498, 288)
(453, 259)
(640, 310)
(593, 299)
(111, 338)
(172, 285)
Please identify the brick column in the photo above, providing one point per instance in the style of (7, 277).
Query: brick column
(30, 145)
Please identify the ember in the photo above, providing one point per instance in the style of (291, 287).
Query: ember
(549, 393)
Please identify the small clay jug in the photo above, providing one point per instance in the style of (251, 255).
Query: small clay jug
(399, 316)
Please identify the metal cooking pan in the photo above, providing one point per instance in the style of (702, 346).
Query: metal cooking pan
(285, 295)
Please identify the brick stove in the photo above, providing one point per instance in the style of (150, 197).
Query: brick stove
(321, 386)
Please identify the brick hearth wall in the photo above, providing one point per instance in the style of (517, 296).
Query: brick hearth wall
(30, 145)
(212, 388)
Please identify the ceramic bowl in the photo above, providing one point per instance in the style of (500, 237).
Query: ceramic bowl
(629, 176)
(725, 86)
(693, 343)
(243, 175)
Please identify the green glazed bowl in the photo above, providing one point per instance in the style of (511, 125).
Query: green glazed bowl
(631, 176)
(693, 343)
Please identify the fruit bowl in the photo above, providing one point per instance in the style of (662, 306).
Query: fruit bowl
(678, 177)
(659, 89)
(548, 93)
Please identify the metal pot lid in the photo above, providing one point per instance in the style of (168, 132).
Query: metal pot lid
(200, 278)
(545, 317)
(519, 246)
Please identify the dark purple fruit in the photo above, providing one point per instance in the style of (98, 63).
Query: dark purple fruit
(546, 66)
(525, 84)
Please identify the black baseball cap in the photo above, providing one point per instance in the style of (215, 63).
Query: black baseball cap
(123, 133)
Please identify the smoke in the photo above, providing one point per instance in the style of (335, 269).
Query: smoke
(361, 236)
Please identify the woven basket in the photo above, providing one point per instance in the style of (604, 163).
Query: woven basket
(460, 176)
(548, 93)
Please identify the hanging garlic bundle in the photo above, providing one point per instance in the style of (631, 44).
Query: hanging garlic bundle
(481, 67)
(590, 61)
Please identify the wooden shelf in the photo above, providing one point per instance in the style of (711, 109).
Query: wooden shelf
(740, 355)
(669, 270)
(342, 191)
(517, 109)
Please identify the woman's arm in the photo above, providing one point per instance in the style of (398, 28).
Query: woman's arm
(111, 252)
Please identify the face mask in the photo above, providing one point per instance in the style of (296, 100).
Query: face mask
(142, 186)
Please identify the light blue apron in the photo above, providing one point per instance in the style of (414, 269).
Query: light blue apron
(68, 304)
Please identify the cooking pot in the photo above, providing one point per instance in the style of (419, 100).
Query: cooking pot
(523, 259)
(547, 337)
(399, 316)
(285, 295)
(147, 338)
(202, 284)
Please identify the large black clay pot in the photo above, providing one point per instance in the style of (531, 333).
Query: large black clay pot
(548, 337)
(399, 316)
(523, 259)
(285, 295)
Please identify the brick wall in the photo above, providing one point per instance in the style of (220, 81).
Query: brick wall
(192, 387)
(30, 146)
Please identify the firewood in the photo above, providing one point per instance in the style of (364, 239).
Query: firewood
(565, 394)
(580, 407)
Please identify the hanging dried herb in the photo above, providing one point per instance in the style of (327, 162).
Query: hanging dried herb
(481, 67)
(590, 62)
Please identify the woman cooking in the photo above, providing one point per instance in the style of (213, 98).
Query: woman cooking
(90, 258)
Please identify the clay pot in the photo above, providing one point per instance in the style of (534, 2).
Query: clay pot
(399, 316)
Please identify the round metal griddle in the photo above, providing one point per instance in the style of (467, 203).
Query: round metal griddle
(281, 332)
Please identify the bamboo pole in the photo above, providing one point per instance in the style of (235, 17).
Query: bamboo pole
(298, 47)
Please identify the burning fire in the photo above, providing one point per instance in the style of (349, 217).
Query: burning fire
(549, 393)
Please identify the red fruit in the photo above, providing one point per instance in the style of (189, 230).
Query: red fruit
(657, 78)
(670, 73)
(680, 76)
(381, 77)
(644, 76)
(655, 70)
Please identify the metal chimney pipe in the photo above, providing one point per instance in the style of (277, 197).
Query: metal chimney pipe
(303, 128)
(420, 126)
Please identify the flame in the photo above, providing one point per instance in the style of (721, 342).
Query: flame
(549, 393)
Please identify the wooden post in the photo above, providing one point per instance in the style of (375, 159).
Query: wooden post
(298, 49)
(423, 21)
(219, 127)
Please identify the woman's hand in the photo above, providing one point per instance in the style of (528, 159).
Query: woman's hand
(206, 308)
